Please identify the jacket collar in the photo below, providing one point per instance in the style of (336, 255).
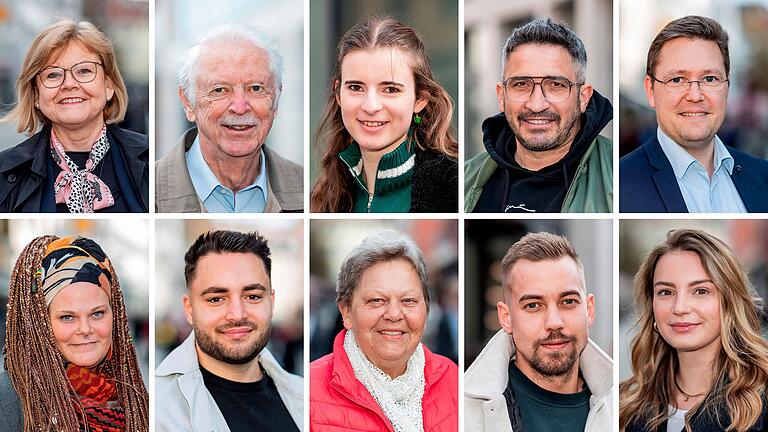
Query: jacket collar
(488, 375)
(33, 150)
(664, 177)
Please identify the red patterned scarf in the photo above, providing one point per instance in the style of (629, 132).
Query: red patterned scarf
(97, 396)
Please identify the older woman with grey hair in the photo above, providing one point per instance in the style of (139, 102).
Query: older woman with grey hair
(379, 375)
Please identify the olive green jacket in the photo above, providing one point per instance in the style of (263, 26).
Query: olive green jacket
(591, 190)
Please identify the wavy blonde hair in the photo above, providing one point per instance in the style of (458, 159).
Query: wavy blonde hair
(742, 365)
(333, 189)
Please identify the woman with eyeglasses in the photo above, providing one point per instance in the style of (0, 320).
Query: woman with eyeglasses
(70, 96)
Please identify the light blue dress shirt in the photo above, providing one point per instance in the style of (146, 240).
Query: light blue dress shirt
(218, 198)
(702, 194)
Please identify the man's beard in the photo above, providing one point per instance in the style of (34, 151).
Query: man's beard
(555, 364)
(539, 142)
(239, 354)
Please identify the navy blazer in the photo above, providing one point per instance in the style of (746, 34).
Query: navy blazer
(647, 183)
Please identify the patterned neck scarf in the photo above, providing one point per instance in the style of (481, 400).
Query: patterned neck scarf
(96, 400)
(80, 189)
(399, 398)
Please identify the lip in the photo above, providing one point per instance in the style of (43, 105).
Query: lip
(372, 125)
(693, 114)
(238, 129)
(683, 327)
(556, 345)
(84, 344)
(237, 332)
(73, 100)
(392, 334)
(538, 123)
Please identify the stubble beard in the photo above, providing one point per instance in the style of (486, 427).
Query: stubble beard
(539, 142)
(235, 355)
(557, 364)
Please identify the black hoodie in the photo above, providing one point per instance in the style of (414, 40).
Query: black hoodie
(514, 189)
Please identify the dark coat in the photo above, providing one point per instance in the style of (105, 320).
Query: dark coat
(23, 169)
(647, 183)
(703, 423)
(12, 419)
(435, 183)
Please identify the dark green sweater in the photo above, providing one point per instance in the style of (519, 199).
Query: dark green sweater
(392, 191)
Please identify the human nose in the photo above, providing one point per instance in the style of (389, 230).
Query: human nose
(554, 319)
(537, 102)
(394, 311)
(239, 104)
(235, 311)
(69, 80)
(682, 305)
(694, 92)
(372, 103)
(84, 327)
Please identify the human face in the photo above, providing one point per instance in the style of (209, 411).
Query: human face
(690, 118)
(387, 314)
(377, 97)
(540, 125)
(686, 303)
(234, 103)
(74, 105)
(548, 316)
(229, 304)
(81, 320)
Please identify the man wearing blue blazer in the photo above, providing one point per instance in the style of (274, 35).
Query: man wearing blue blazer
(685, 167)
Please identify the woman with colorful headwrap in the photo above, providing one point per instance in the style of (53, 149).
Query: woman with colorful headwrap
(68, 351)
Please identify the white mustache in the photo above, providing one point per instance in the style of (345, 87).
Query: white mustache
(244, 120)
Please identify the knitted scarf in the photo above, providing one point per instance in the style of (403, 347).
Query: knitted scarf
(96, 400)
(399, 398)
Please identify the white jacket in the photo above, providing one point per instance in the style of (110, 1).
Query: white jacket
(485, 408)
(183, 403)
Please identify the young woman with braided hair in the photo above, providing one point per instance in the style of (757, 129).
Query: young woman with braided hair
(68, 352)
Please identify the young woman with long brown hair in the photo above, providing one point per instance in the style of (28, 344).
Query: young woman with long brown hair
(699, 361)
(386, 137)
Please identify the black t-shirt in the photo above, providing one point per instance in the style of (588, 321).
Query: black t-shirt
(542, 410)
(105, 170)
(254, 406)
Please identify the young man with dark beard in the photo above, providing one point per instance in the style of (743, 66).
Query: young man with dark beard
(541, 372)
(222, 378)
(544, 152)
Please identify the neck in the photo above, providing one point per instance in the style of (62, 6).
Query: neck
(705, 155)
(536, 160)
(244, 373)
(567, 383)
(80, 139)
(697, 369)
(371, 167)
(235, 173)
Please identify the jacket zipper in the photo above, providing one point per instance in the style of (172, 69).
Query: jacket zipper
(357, 178)
(370, 200)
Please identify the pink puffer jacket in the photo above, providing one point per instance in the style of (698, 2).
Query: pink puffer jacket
(339, 402)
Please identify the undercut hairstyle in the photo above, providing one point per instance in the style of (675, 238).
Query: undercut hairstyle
(379, 247)
(230, 33)
(691, 27)
(333, 190)
(38, 370)
(741, 368)
(46, 46)
(225, 241)
(547, 32)
(535, 247)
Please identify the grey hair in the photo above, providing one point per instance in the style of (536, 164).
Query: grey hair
(376, 248)
(546, 32)
(230, 32)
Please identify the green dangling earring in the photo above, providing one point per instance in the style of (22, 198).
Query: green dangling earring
(416, 118)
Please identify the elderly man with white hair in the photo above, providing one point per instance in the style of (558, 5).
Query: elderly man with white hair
(230, 86)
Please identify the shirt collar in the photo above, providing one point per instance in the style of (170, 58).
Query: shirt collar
(205, 181)
(681, 160)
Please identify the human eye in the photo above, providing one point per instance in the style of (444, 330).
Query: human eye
(391, 89)
(701, 291)
(52, 74)
(571, 301)
(219, 90)
(664, 292)
(84, 68)
(532, 307)
(66, 318)
(376, 301)
(98, 314)
(410, 301)
(256, 88)
(677, 81)
(519, 83)
(557, 84)
(354, 87)
(254, 297)
(214, 300)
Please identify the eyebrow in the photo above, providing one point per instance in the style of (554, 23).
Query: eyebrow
(71, 312)
(704, 72)
(386, 83)
(223, 290)
(696, 282)
(527, 297)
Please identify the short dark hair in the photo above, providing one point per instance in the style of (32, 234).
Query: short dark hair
(221, 241)
(692, 27)
(546, 32)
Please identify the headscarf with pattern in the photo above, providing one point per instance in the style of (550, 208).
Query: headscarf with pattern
(57, 395)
